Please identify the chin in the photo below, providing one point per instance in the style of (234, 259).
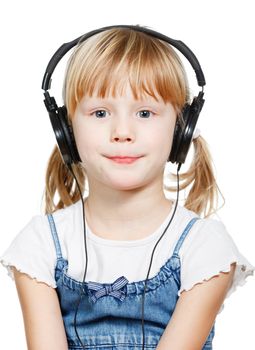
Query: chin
(128, 184)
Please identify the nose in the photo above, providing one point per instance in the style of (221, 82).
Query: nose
(122, 131)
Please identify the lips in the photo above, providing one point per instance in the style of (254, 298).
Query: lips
(124, 159)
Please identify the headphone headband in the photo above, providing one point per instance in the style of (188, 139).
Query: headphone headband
(179, 45)
(59, 115)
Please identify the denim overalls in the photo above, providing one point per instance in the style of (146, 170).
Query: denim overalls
(109, 315)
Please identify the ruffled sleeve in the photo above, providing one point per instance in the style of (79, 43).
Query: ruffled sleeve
(32, 252)
(209, 250)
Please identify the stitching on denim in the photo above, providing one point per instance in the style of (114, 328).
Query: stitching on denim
(55, 236)
(183, 235)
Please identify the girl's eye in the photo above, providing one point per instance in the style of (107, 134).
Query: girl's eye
(100, 113)
(145, 114)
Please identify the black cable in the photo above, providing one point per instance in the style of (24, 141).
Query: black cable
(86, 254)
(152, 255)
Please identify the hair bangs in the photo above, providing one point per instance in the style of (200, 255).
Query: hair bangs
(104, 64)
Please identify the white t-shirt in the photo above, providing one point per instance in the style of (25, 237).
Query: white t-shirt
(207, 250)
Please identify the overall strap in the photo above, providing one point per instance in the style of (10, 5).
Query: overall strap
(183, 235)
(55, 236)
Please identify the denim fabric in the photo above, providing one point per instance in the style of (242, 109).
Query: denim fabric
(110, 323)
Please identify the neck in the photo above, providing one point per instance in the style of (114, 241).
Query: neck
(122, 214)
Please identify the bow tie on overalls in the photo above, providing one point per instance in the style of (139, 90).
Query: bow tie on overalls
(116, 289)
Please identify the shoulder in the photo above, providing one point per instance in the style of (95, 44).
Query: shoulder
(207, 231)
(67, 213)
(38, 226)
(32, 251)
(209, 250)
(68, 222)
(207, 241)
(207, 247)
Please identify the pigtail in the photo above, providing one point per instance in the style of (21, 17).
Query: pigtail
(59, 181)
(203, 191)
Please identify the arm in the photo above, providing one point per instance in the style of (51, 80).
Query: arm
(195, 314)
(41, 313)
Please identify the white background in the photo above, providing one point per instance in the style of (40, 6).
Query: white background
(221, 33)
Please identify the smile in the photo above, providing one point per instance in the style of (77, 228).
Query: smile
(124, 160)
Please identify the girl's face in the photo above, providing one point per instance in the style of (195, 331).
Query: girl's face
(122, 126)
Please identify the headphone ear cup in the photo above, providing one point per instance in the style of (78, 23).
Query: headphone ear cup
(63, 130)
(63, 133)
(178, 133)
(184, 129)
(65, 138)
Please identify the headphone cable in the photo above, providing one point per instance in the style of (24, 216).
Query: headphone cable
(86, 253)
(153, 251)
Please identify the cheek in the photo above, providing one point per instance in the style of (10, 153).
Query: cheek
(168, 134)
(85, 140)
(86, 145)
(161, 139)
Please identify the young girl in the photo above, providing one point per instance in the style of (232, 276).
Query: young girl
(125, 267)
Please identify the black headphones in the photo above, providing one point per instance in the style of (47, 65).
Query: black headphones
(183, 130)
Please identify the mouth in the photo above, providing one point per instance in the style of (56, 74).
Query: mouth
(124, 159)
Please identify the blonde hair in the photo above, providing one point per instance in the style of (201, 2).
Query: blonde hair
(104, 64)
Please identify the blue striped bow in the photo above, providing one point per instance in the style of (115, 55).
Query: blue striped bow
(115, 289)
